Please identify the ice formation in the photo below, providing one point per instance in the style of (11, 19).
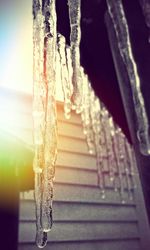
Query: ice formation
(44, 113)
(122, 33)
(75, 37)
(114, 155)
(145, 4)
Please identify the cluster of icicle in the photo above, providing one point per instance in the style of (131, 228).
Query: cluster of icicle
(104, 138)
(113, 153)
(117, 14)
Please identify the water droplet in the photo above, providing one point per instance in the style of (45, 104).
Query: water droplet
(41, 239)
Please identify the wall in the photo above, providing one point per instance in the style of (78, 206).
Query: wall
(82, 219)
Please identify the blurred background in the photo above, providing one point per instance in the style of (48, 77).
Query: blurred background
(16, 44)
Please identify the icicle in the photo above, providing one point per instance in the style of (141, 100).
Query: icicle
(133, 168)
(65, 74)
(119, 20)
(121, 157)
(75, 37)
(95, 112)
(145, 4)
(118, 157)
(69, 67)
(41, 236)
(50, 147)
(128, 162)
(108, 143)
(44, 114)
(38, 114)
(85, 115)
(125, 163)
(114, 160)
(131, 157)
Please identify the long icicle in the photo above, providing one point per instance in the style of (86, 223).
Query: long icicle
(125, 165)
(95, 110)
(44, 114)
(121, 28)
(118, 157)
(114, 170)
(127, 170)
(75, 37)
(121, 165)
(38, 115)
(50, 149)
(65, 75)
(85, 115)
(145, 4)
(108, 143)
(132, 163)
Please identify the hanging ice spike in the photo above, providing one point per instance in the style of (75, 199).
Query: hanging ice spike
(66, 74)
(117, 14)
(104, 139)
(145, 4)
(44, 114)
(75, 37)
